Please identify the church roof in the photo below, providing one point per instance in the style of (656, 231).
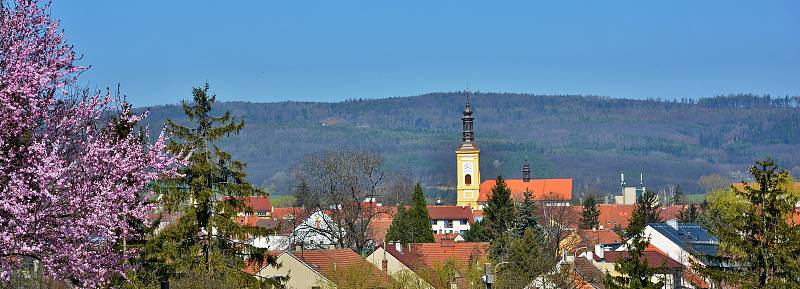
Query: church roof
(541, 189)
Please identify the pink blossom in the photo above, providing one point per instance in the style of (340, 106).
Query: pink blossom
(68, 188)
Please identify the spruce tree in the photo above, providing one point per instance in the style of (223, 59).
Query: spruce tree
(477, 233)
(649, 209)
(499, 217)
(590, 216)
(419, 219)
(634, 271)
(207, 198)
(526, 261)
(754, 232)
(398, 230)
(526, 217)
(412, 225)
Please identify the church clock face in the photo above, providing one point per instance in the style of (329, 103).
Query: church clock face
(467, 168)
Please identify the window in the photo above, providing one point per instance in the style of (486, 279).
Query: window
(464, 221)
(433, 222)
(261, 213)
(448, 223)
(468, 179)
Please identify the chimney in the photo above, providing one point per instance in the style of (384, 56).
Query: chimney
(385, 265)
(673, 223)
(398, 246)
(599, 251)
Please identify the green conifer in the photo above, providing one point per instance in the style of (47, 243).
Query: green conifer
(590, 216)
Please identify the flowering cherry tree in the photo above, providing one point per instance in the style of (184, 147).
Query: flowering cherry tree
(72, 187)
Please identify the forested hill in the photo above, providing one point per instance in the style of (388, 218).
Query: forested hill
(591, 139)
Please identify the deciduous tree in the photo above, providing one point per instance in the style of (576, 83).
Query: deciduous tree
(757, 236)
(71, 191)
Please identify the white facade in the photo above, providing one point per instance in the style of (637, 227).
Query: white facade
(449, 226)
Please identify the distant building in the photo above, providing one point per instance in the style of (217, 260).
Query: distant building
(450, 219)
(629, 195)
(470, 191)
(314, 269)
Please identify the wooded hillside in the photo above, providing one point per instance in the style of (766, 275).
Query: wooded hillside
(589, 138)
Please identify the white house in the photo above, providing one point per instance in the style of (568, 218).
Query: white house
(450, 219)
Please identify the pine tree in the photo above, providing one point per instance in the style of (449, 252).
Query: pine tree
(634, 271)
(208, 197)
(677, 197)
(412, 225)
(419, 219)
(590, 216)
(499, 217)
(526, 217)
(647, 206)
(755, 234)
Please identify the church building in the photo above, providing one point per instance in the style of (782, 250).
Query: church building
(474, 193)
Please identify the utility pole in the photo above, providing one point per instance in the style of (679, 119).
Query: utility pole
(488, 276)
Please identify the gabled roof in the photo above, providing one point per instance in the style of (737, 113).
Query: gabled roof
(328, 262)
(655, 258)
(421, 256)
(541, 189)
(690, 237)
(258, 203)
(450, 213)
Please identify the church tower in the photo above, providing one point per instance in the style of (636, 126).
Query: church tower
(468, 171)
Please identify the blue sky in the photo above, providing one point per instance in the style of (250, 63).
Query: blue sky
(334, 50)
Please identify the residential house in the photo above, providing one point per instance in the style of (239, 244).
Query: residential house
(315, 269)
(450, 219)
(422, 260)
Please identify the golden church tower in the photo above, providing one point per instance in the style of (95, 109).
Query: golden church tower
(468, 156)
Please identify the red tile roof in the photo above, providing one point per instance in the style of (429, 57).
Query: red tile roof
(422, 256)
(541, 189)
(259, 203)
(379, 227)
(594, 237)
(290, 212)
(613, 214)
(655, 258)
(450, 212)
(329, 263)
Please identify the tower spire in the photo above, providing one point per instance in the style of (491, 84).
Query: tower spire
(526, 170)
(467, 133)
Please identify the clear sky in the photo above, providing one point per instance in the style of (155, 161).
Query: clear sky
(334, 50)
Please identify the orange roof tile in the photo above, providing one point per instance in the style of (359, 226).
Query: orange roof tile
(671, 212)
(379, 228)
(290, 212)
(541, 189)
(613, 214)
(327, 262)
(450, 212)
(595, 237)
(259, 203)
(420, 256)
